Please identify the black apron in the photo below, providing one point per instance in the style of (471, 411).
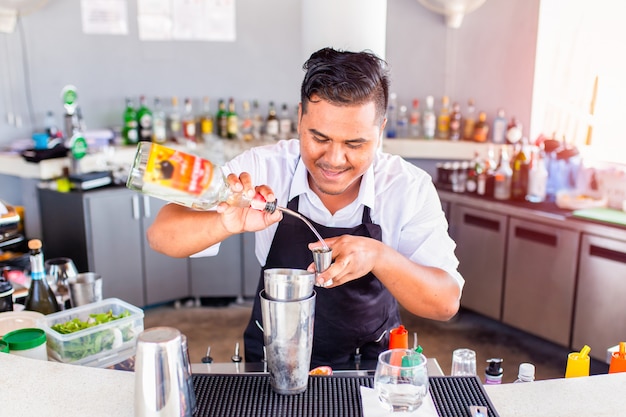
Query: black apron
(350, 316)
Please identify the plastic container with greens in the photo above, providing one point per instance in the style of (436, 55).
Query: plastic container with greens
(99, 334)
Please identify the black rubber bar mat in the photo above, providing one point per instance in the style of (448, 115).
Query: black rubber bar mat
(251, 395)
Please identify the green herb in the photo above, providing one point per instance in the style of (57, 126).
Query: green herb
(94, 320)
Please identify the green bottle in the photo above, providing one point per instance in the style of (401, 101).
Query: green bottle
(130, 133)
(40, 296)
(144, 121)
(221, 119)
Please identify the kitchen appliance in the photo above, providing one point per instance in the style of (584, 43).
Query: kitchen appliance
(9, 225)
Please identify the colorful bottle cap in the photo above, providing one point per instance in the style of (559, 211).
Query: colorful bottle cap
(578, 363)
(399, 338)
(24, 339)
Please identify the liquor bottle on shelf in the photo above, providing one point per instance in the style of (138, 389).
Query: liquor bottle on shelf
(285, 123)
(415, 129)
(174, 129)
(429, 120)
(402, 129)
(499, 128)
(272, 127)
(455, 122)
(257, 121)
(205, 125)
(232, 120)
(443, 119)
(392, 116)
(130, 134)
(513, 131)
(159, 129)
(189, 124)
(519, 174)
(185, 179)
(221, 119)
(144, 120)
(481, 128)
(247, 123)
(469, 121)
(502, 177)
(40, 296)
(537, 178)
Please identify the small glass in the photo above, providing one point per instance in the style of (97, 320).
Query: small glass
(401, 380)
(463, 362)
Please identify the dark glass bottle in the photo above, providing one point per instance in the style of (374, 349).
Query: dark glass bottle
(40, 296)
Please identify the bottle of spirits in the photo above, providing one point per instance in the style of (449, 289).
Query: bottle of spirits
(499, 127)
(247, 124)
(502, 177)
(513, 131)
(185, 179)
(40, 296)
(189, 124)
(519, 175)
(130, 134)
(470, 121)
(429, 119)
(415, 128)
(159, 129)
(403, 122)
(285, 122)
(443, 119)
(455, 122)
(205, 128)
(392, 116)
(537, 179)
(481, 128)
(272, 126)
(174, 127)
(257, 121)
(232, 120)
(144, 119)
(221, 119)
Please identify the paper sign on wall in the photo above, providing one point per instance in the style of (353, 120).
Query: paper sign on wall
(104, 17)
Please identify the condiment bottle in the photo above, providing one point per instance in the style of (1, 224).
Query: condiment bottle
(493, 372)
(578, 363)
(618, 359)
(526, 373)
(28, 342)
(40, 296)
(399, 338)
(185, 179)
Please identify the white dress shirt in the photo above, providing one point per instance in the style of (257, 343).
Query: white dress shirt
(401, 197)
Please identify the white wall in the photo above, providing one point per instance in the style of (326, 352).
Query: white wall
(491, 58)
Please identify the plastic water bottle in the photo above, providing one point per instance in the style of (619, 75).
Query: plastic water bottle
(526, 373)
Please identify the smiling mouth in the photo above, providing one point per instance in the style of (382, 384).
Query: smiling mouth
(331, 174)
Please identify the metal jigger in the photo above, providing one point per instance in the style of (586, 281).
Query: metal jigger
(322, 257)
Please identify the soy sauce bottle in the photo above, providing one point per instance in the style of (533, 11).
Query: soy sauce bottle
(40, 296)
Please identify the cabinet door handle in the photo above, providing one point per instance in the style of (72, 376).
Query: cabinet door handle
(533, 235)
(135, 201)
(146, 207)
(609, 254)
(481, 222)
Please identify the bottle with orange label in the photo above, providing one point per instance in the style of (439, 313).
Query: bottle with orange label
(185, 179)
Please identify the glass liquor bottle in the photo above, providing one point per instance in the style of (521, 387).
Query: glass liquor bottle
(159, 129)
(455, 122)
(174, 129)
(185, 179)
(469, 121)
(481, 128)
(205, 125)
(272, 127)
(415, 129)
(40, 296)
(392, 116)
(537, 178)
(443, 119)
(221, 119)
(257, 121)
(144, 120)
(130, 134)
(232, 120)
(499, 127)
(189, 124)
(502, 177)
(519, 175)
(285, 122)
(246, 127)
(429, 120)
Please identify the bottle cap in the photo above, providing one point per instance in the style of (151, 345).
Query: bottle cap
(24, 339)
(526, 371)
(494, 368)
(399, 338)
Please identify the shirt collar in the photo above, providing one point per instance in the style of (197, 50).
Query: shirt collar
(300, 185)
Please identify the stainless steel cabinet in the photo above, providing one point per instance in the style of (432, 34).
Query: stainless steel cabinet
(219, 275)
(481, 240)
(540, 279)
(600, 315)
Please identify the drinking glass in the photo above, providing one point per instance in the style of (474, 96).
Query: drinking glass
(463, 362)
(401, 380)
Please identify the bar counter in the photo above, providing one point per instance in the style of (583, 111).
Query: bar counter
(30, 387)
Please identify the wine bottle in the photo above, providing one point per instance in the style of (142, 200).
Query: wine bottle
(185, 179)
(40, 296)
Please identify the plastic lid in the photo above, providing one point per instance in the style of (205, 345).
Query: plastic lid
(4, 346)
(526, 371)
(23, 339)
(494, 369)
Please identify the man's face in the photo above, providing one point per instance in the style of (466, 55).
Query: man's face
(337, 145)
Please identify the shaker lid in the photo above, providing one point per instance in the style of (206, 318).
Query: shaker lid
(5, 287)
(23, 339)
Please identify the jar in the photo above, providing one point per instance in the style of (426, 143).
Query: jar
(6, 296)
(28, 342)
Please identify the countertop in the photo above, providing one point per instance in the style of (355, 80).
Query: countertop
(30, 387)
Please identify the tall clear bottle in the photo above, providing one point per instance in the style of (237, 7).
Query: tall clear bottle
(392, 116)
(429, 120)
(205, 125)
(185, 179)
(285, 122)
(502, 177)
(456, 120)
(174, 127)
(159, 123)
(144, 120)
(415, 128)
(40, 296)
(189, 124)
(443, 119)
(469, 121)
(272, 126)
(537, 178)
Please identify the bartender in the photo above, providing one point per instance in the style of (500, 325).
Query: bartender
(380, 215)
